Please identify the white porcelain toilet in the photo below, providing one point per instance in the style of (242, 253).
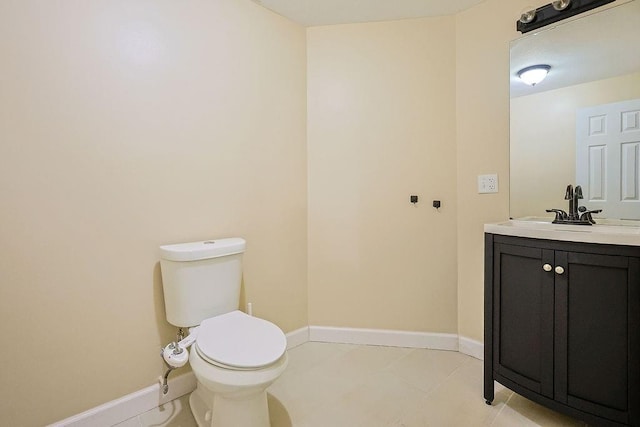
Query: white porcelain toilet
(235, 356)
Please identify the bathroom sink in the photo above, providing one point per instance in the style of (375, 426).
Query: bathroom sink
(612, 231)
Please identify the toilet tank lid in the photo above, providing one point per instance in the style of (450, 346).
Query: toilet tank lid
(206, 249)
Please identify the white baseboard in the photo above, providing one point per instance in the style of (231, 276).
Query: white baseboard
(131, 405)
(436, 341)
(471, 347)
(297, 337)
(139, 402)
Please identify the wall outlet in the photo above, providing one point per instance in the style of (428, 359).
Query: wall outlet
(488, 183)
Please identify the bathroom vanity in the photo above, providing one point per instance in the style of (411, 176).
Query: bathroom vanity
(562, 317)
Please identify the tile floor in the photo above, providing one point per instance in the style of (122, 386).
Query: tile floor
(343, 385)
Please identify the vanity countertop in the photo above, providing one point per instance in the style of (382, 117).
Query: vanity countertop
(612, 232)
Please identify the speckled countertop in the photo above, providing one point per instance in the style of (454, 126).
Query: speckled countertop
(610, 232)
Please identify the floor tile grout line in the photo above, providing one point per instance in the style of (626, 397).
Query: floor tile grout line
(396, 360)
(501, 409)
(368, 374)
(444, 380)
(340, 353)
(468, 359)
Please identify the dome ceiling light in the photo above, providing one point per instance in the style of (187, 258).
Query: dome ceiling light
(534, 74)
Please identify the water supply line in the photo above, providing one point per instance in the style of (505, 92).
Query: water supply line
(164, 384)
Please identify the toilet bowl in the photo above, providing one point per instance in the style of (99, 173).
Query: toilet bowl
(236, 358)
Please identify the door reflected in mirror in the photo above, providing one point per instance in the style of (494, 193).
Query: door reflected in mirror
(562, 128)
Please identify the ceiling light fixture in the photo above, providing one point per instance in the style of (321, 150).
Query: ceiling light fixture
(534, 74)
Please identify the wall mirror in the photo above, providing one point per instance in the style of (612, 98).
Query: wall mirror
(561, 129)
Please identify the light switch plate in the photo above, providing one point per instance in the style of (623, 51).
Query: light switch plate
(488, 183)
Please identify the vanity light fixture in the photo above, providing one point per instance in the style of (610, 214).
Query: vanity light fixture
(554, 12)
(527, 16)
(534, 74)
(560, 4)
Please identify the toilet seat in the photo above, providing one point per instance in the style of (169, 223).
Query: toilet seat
(238, 341)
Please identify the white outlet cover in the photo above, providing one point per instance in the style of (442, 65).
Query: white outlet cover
(488, 183)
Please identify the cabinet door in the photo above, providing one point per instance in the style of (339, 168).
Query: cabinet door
(596, 301)
(523, 316)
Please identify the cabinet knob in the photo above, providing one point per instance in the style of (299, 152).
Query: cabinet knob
(559, 270)
(547, 267)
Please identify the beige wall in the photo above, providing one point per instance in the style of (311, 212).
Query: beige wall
(127, 125)
(544, 127)
(381, 126)
(483, 34)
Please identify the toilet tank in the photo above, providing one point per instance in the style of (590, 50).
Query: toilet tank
(201, 279)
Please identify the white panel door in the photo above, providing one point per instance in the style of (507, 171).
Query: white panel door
(608, 158)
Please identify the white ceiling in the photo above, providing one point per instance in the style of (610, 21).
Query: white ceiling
(328, 12)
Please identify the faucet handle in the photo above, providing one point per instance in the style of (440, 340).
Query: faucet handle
(586, 215)
(560, 215)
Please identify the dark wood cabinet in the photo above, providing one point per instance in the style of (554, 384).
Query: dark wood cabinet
(562, 326)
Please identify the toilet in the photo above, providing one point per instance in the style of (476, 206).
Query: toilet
(234, 356)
